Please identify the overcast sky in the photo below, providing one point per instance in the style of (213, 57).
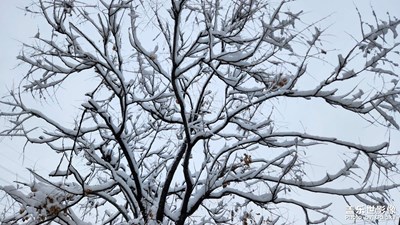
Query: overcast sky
(17, 27)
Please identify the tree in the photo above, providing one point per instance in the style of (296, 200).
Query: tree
(180, 129)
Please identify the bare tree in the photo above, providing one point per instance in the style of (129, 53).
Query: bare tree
(177, 127)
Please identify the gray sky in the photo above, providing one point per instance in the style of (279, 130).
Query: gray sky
(17, 27)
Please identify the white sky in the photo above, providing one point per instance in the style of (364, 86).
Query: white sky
(16, 27)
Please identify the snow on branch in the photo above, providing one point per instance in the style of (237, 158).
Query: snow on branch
(177, 120)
